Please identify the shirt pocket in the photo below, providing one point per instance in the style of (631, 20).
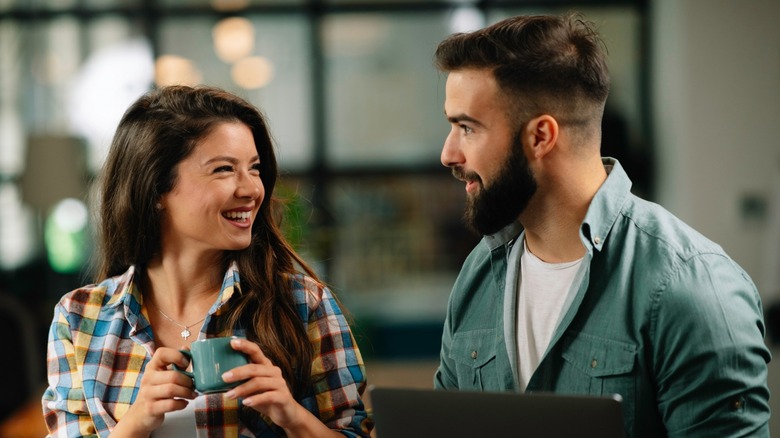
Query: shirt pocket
(474, 355)
(599, 366)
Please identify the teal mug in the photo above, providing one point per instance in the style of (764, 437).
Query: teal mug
(210, 358)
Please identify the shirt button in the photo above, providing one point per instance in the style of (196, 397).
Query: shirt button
(474, 354)
(594, 363)
(597, 240)
(736, 404)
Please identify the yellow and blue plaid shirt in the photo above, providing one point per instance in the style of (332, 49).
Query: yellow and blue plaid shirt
(100, 341)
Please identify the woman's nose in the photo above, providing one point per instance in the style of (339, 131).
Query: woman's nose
(249, 186)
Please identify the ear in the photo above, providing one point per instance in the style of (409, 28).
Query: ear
(541, 135)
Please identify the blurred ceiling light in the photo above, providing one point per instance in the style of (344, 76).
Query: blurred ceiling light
(110, 80)
(355, 36)
(175, 70)
(229, 5)
(466, 19)
(234, 38)
(253, 72)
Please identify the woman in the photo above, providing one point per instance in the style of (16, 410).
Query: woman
(190, 248)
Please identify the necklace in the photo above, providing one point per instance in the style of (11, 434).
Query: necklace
(185, 334)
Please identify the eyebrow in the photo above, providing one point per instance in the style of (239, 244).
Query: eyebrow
(463, 118)
(231, 160)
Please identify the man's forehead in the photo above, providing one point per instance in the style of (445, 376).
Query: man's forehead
(479, 77)
(471, 95)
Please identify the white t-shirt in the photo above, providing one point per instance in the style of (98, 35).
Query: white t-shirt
(543, 289)
(179, 424)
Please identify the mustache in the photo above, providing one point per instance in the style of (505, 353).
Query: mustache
(462, 175)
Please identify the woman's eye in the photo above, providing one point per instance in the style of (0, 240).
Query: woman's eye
(257, 168)
(223, 169)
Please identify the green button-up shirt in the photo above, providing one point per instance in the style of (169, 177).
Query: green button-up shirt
(661, 316)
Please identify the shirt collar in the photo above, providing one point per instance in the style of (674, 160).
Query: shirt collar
(231, 284)
(125, 290)
(504, 235)
(122, 289)
(606, 205)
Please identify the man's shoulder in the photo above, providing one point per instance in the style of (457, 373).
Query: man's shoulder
(479, 259)
(480, 273)
(478, 255)
(657, 229)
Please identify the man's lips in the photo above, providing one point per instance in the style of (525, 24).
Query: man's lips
(471, 179)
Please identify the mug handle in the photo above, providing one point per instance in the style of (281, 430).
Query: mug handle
(188, 355)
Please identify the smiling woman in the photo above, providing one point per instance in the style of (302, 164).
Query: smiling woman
(217, 193)
(189, 243)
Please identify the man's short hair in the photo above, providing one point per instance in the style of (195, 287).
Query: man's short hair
(552, 65)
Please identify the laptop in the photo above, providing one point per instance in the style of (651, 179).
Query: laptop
(413, 413)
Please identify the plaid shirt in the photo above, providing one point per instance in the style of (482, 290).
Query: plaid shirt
(100, 341)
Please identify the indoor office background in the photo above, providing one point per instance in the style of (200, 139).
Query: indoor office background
(355, 107)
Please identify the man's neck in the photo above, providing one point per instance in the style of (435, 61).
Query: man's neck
(553, 218)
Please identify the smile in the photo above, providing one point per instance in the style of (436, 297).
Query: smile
(237, 216)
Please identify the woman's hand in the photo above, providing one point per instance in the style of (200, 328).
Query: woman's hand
(265, 390)
(162, 390)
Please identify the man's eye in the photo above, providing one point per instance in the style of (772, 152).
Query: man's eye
(466, 129)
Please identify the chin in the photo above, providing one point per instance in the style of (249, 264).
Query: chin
(237, 245)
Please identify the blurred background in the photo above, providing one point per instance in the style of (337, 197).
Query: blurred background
(356, 110)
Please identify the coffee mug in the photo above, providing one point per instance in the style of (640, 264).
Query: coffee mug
(210, 358)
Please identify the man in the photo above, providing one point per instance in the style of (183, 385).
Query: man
(578, 286)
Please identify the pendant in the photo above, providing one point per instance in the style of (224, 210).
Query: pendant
(185, 334)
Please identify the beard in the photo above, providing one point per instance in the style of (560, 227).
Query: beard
(493, 207)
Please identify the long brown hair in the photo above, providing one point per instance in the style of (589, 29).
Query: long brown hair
(156, 133)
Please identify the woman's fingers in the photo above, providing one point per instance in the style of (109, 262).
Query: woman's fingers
(170, 391)
(251, 370)
(263, 386)
(162, 390)
(161, 377)
(164, 356)
(251, 349)
(256, 385)
(170, 405)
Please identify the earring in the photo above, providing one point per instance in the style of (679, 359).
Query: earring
(158, 206)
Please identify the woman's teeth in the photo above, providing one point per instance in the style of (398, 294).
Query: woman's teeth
(239, 216)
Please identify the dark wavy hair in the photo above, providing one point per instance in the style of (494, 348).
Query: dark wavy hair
(156, 133)
(542, 64)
